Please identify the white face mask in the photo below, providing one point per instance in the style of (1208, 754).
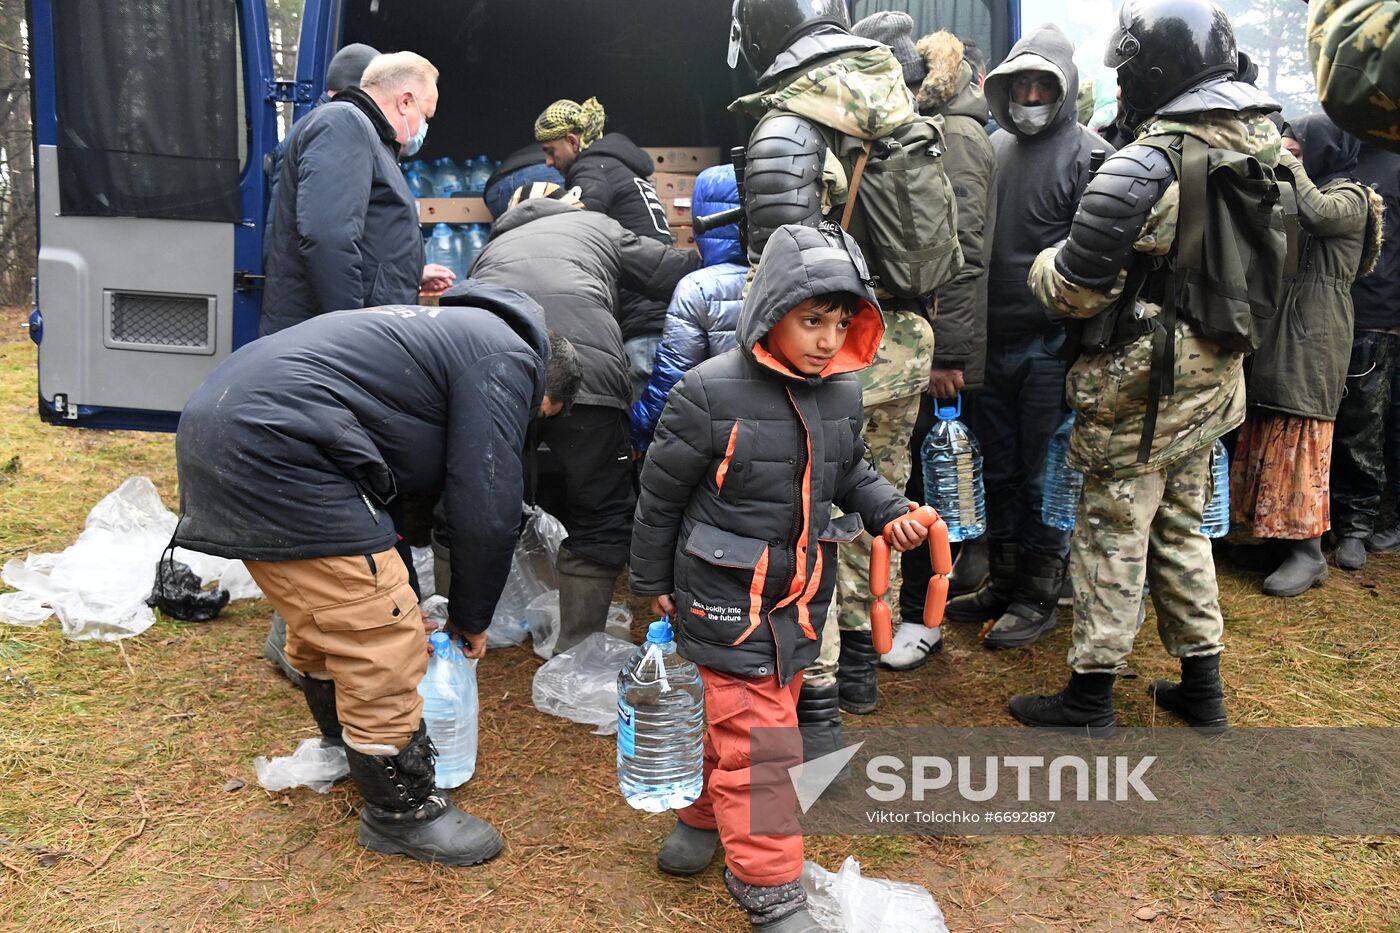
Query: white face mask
(1031, 120)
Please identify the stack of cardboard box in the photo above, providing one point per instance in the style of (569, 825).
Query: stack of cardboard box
(674, 181)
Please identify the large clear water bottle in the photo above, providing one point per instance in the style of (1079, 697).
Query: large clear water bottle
(476, 236)
(952, 464)
(420, 179)
(1059, 503)
(477, 176)
(447, 178)
(444, 248)
(450, 710)
(660, 725)
(1217, 514)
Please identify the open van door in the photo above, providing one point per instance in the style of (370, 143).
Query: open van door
(151, 119)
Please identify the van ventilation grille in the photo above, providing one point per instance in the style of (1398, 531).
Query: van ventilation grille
(172, 321)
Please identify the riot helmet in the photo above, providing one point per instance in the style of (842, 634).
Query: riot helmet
(1163, 48)
(762, 29)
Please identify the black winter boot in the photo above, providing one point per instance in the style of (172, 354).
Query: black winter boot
(993, 597)
(855, 672)
(687, 851)
(404, 814)
(1199, 698)
(970, 568)
(1386, 540)
(1301, 570)
(779, 908)
(585, 593)
(819, 720)
(1351, 553)
(275, 649)
(1039, 580)
(1084, 706)
(320, 699)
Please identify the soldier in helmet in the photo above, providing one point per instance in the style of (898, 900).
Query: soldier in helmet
(1146, 484)
(833, 82)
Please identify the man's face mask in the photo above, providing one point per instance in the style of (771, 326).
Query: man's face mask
(1031, 119)
(414, 142)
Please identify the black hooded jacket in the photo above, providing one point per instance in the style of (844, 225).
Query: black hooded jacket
(1376, 297)
(734, 514)
(1040, 179)
(295, 444)
(572, 262)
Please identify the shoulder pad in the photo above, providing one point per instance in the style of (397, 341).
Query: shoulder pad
(1111, 214)
(782, 177)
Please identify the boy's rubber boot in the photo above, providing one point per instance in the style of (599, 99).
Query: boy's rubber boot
(1385, 541)
(1301, 570)
(585, 593)
(405, 814)
(855, 672)
(780, 908)
(1084, 706)
(275, 649)
(1351, 553)
(1039, 580)
(993, 597)
(1199, 698)
(687, 851)
(320, 699)
(819, 721)
(971, 567)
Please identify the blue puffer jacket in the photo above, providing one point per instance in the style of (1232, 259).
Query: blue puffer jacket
(704, 310)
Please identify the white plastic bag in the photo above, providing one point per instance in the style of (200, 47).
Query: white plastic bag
(315, 764)
(532, 570)
(98, 586)
(581, 684)
(846, 902)
(423, 567)
(541, 619)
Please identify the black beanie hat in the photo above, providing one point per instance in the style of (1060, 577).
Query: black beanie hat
(348, 65)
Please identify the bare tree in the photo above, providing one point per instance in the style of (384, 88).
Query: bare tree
(18, 246)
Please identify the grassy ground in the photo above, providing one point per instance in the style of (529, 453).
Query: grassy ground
(120, 765)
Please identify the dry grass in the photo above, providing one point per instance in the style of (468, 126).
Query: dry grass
(114, 761)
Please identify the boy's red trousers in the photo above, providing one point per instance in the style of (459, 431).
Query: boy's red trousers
(733, 706)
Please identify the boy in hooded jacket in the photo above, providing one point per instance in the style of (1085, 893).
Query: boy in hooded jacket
(733, 537)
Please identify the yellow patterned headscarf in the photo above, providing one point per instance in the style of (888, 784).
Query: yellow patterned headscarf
(565, 116)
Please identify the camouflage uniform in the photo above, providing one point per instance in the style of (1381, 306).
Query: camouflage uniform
(1355, 51)
(862, 95)
(1130, 510)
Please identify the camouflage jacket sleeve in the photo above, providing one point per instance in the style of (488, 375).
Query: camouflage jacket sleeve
(1355, 51)
(1058, 293)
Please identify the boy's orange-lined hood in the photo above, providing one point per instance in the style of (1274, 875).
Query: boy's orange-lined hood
(800, 263)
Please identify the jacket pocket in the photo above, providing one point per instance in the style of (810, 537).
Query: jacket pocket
(734, 467)
(720, 595)
(842, 529)
(375, 611)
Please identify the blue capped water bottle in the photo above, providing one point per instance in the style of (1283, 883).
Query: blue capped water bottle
(1217, 514)
(478, 175)
(1059, 503)
(952, 464)
(450, 710)
(420, 179)
(447, 178)
(660, 725)
(445, 248)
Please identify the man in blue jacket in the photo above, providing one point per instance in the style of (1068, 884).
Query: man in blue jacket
(294, 456)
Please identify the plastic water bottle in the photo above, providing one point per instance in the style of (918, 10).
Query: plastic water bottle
(952, 464)
(450, 710)
(448, 178)
(1059, 504)
(476, 236)
(1217, 514)
(420, 180)
(444, 249)
(660, 725)
(477, 177)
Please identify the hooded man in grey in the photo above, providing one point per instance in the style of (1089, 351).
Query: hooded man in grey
(1043, 157)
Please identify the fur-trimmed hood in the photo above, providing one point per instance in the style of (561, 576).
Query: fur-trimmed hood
(949, 73)
(1375, 237)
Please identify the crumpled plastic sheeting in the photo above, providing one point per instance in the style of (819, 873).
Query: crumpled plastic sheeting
(581, 684)
(98, 586)
(542, 620)
(315, 764)
(846, 902)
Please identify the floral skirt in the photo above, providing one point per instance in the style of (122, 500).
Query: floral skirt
(1279, 479)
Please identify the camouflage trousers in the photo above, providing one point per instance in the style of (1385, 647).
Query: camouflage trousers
(1144, 529)
(887, 430)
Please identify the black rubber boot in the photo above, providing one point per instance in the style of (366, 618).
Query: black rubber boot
(1084, 706)
(275, 649)
(404, 814)
(1199, 698)
(1385, 541)
(971, 567)
(1039, 580)
(991, 599)
(1301, 570)
(819, 720)
(779, 908)
(687, 851)
(585, 593)
(1351, 553)
(855, 672)
(320, 699)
